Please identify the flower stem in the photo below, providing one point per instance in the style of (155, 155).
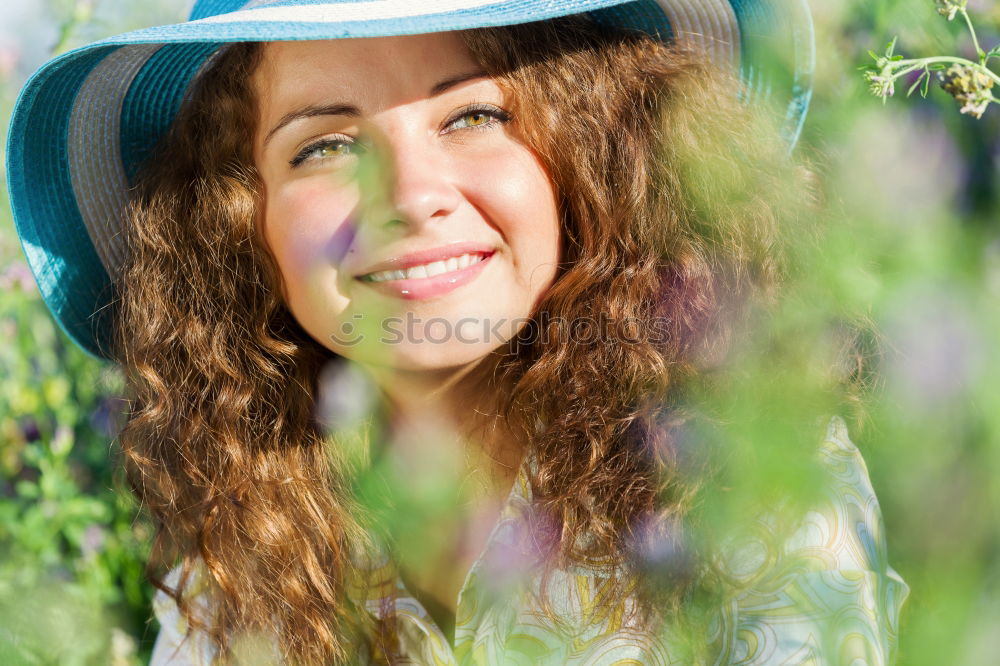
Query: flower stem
(916, 63)
(975, 40)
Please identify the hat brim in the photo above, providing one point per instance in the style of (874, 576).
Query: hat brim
(86, 120)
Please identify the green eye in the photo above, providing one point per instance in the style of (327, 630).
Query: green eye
(331, 150)
(325, 149)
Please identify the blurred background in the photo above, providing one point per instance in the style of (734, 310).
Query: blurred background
(912, 189)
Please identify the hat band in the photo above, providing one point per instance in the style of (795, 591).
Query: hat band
(104, 138)
(94, 148)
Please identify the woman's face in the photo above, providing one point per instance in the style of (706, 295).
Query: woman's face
(450, 179)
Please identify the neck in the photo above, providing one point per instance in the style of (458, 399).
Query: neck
(458, 463)
(446, 419)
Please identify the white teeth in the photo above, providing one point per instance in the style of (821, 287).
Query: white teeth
(427, 270)
(437, 268)
(416, 272)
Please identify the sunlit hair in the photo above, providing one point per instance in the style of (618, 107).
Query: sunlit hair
(673, 197)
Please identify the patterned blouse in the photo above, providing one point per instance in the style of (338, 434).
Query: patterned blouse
(826, 596)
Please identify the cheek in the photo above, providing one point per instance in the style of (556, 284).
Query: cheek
(518, 195)
(308, 224)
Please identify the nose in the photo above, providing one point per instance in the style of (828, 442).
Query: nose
(417, 187)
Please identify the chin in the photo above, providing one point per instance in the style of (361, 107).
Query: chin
(433, 348)
(430, 357)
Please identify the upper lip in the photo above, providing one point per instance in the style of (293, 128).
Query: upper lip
(404, 261)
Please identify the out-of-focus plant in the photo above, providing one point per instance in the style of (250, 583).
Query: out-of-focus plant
(970, 83)
(917, 242)
(72, 548)
(72, 587)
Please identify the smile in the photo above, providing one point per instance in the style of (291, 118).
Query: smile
(425, 281)
(428, 270)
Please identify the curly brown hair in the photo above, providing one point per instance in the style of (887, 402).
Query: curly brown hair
(673, 196)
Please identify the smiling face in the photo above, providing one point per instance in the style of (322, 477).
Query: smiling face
(450, 179)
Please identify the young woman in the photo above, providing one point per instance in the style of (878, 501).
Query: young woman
(527, 229)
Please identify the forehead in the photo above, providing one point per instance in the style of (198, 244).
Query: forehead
(366, 67)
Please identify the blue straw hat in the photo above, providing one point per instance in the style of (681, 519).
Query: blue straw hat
(85, 120)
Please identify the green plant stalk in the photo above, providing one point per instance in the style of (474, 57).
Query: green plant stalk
(920, 63)
(975, 40)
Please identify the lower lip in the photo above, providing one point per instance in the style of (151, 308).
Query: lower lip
(416, 289)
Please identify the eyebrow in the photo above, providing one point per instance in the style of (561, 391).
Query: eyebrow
(350, 111)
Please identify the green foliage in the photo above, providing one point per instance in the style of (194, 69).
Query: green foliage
(969, 82)
(73, 546)
(71, 550)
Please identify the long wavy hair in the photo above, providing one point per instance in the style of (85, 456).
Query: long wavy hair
(673, 196)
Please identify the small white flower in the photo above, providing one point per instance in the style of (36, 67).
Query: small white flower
(949, 8)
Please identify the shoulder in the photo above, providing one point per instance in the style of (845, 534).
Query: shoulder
(178, 644)
(824, 587)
